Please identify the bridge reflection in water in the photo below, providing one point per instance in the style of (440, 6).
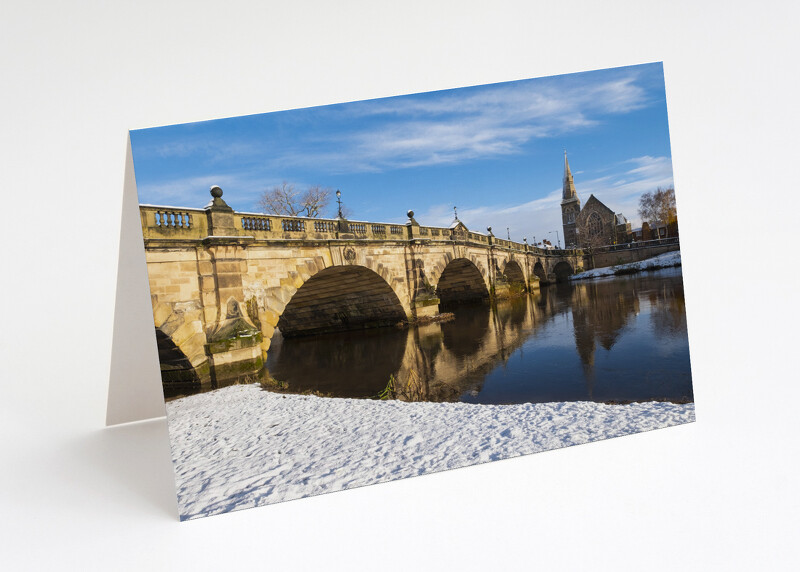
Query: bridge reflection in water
(622, 339)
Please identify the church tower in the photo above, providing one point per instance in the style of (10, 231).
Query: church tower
(570, 207)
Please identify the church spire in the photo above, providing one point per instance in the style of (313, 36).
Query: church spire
(570, 207)
(569, 184)
(567, 172)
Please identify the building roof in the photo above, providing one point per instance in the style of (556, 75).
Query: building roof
(593, 199)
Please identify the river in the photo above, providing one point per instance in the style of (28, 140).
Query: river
(616, 339)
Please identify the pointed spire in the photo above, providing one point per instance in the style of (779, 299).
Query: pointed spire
(569, 184)
(567, 172)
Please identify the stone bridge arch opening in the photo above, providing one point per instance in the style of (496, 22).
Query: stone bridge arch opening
(514, 274)
(338, 299)
(539, 271)
(563, 270)
(461, 282)
(177, 373)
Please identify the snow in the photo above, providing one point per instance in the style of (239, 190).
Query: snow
(241, 446)
(661, 261)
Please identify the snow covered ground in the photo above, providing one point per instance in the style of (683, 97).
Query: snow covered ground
(661, 261)
(241, 446)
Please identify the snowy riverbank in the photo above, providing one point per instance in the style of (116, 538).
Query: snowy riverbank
(666, 260)
(241, 446)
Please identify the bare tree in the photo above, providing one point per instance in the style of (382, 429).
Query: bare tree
(286, 199)
(658, 206)
(282, 200)
(315, 200)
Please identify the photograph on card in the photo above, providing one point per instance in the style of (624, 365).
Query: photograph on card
(354, 293)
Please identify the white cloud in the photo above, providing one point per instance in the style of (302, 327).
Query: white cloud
(177, 189)
(194, 191)
(621, 193)
(497, 120)
(429, 129)
(541, 218)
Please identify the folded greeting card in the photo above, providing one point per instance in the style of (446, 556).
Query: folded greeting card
(354, 293)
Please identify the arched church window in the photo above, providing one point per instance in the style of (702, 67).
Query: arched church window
(594, 224)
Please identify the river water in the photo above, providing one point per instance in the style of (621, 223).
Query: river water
(616, 339)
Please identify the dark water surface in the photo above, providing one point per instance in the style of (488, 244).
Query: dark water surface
(612, 339)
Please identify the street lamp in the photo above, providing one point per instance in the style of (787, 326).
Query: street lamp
(558, 239)
(339, 200)
(508, 234)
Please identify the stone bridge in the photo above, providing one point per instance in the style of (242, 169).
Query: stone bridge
(222, 281)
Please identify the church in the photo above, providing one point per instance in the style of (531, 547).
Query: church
(593, 225)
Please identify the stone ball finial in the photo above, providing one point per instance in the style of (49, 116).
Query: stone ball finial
(410, 214)
(216, 192)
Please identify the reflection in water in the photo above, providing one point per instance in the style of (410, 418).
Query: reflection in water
(466, 333)
(348, 364)
(600, 312)
(668, 310)
(619, 339)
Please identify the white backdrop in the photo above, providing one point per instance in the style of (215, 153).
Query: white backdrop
(717, 494)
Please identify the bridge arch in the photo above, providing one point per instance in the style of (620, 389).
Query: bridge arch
(461, 281)
(539, 271)
(563, 270)
(340, 298)
(181, 343)
(175, 365)
(513, 272)
(442, 261)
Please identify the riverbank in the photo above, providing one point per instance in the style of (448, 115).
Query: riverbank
(241, 446)
(667, 260)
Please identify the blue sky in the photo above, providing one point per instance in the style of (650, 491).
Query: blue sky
(495, 151)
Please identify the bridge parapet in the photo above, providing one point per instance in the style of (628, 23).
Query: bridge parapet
(173, 222)
(165, 222)
(266, 227)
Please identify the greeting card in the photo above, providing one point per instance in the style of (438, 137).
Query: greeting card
(344, 295)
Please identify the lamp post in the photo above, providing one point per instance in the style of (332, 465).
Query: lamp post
(339, 200)
(508, 234)
(558, 239)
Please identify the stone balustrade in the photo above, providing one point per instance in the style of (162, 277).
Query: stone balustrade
(184, 223)
(173, 222)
